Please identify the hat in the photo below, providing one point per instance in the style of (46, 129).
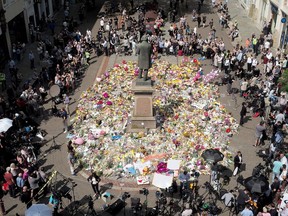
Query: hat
(8, 169)
(264, 209)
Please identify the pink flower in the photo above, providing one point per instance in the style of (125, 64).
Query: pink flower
(105, 95)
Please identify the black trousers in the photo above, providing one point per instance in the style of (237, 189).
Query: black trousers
(95, 188)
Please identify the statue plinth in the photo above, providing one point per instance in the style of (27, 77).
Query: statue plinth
(143, 117)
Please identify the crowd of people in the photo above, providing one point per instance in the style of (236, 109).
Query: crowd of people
(251, 69)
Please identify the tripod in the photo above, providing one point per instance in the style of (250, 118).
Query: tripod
(91, 211)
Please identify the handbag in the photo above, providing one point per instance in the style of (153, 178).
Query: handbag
(235, 171)
(243, 167)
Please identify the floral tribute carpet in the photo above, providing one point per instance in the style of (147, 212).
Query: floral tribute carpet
(189, 119)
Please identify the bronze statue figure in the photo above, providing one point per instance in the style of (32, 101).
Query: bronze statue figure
(144, 59)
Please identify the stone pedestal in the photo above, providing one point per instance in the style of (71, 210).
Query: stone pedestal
(143, 117)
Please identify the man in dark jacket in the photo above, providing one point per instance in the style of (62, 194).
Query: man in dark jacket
(243, 113)
(25, 197)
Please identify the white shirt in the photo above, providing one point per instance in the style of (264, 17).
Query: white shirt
(187, 212)
(283, 175)
(267, 44)
(101, 22)
(284, 160)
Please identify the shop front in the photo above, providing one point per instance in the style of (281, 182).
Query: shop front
(17, 29)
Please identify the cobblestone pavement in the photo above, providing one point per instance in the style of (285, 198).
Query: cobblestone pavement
(55, 158)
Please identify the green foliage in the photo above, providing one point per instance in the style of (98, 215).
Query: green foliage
(284, 80)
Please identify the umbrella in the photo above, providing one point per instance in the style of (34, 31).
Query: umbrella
(38, 210)
(256, 184)
(223, 170)
(212, 155)
(5, 124)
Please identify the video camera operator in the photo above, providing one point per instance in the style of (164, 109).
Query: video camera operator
(229, 199)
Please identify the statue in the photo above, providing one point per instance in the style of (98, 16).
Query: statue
(144, 59)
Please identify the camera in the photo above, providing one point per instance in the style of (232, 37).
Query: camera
(195, 174)
(137, 208)
(170, 190)
(144, 191)
(125, 196)
(90, 202)
(208, 186)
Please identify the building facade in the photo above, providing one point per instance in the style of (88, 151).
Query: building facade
(273, 11)
(19, 18)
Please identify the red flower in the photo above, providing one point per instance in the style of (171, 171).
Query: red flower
(195, 60)
(228, 130)
(124, 62)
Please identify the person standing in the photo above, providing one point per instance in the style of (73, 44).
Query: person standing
(94, 179)
(242, 200)
(277, 165)
(260, 129)
(228, 198)
(229, 84)
(67, 102)
(199, 20)
(184, 178)
(54, 201)
(243, 87)
(2, 207)
(71, 161)
(10, 181)
(243, 113)
(26, 197)
(247, 211)
(64, 116)
(211, 24)
(33, 180)
(31, 58)
(20, 181)
(238, 160)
